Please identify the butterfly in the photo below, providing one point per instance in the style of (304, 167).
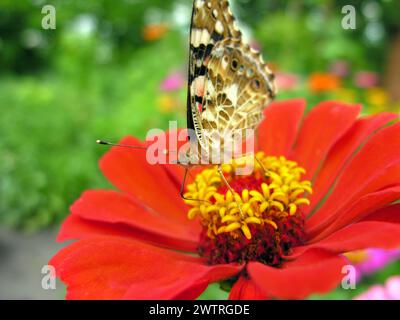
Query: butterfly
(229, 84)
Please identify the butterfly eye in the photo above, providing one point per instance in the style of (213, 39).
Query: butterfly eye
(234, 64)
(250, 73)
(226, 59)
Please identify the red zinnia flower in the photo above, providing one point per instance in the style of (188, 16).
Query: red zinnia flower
(138, 243)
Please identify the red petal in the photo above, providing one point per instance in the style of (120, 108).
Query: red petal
(246, 289)
(74, 228)
(117, 268)
(381, 233)
(316, 271)
(358, 210)
(115, 208)
(387, 214)
(375, 167)
(278, 131)
(343, 150)
(322, 128)
(129, 171)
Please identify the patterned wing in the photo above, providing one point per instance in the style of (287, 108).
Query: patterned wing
(238, 86)
(212, 21)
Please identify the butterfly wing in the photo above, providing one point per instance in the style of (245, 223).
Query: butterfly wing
(212, 21)
(238, 86)
(229, 83)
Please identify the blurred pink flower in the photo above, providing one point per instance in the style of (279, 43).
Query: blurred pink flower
(286, 81)
(377, 259)
(173, 82)
(369, 261)
(340, 68)
(389, 291)
(366, 79)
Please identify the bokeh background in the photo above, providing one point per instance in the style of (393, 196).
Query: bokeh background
(113, 68)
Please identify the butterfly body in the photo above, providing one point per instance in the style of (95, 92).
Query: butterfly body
(229, 83)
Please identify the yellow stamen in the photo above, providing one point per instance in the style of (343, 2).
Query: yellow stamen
(281, 194)
(246, 231)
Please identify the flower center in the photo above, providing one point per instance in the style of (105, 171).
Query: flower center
(261, 220)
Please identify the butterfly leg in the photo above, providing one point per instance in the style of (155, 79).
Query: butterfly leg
(182, 189)
(262, 166)
(221, 173)
(181, 192)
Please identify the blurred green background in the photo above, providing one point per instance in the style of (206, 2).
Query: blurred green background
(110, 66)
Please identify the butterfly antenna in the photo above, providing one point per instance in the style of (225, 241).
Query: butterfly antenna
(119, 145)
